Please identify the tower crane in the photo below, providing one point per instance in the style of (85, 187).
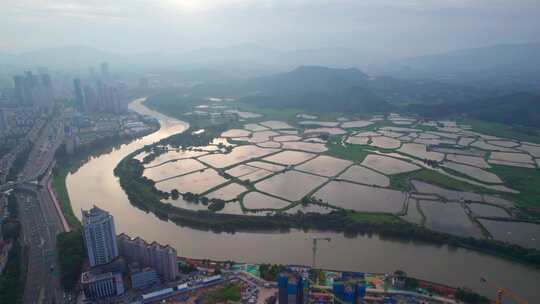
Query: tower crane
(503, 292)
(315, 240)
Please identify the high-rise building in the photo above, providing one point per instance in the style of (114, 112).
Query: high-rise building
(105, 71)
(19, 89)
(161, 258)
(3, 121)
(292, 289)
(350, 288)
(79, 97)
(91, 99)
(34, 90)
(99, 236)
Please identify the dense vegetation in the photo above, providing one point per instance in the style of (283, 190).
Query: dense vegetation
(59, 176)
(72, 254)
(229, 292)
(270, 272)
(521, 110)
(470, 297)
(12, 280)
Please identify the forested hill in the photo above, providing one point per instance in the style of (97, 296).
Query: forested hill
(322, 89)
(317, 88)
(518, 109)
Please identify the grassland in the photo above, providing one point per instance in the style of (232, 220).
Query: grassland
(526, 180)
(59, 185)
(355, 153)
(374, 218)
(401, 181)
(230, 292)
(502, 130)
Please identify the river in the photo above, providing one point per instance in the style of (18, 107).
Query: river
(95, 183)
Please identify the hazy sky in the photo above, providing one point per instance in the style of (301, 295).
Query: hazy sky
(395, 27)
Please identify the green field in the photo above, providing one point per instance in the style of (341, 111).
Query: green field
(59, 185)
(502, 130)
(374, 218)
(400, 181)
(355, 153)
(526, 180)
(230, 292)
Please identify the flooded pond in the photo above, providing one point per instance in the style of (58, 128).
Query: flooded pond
(305, 146)
(448, 218)
(174, 155)
(275, 124)
(487, 210)
(331, 131)
(365, 176)
(388, 165)
(413, 213)
(254, 127)
(236, 133)
(319, 123)
(256, 176)
(523, 234)
(229, 192)
(241, 170)
(290, 157)
(172, 169)
(266, 166)
(420, 151)
(237, 155)
(197, 182)
(291, 185)
(474, 172)
(287, 138)
(468, 160)
(356, 124)
(361, 198)
(512, 157)
(324, 165)
(357, 140)
(385, 142)
(451, 195)
(257, 200)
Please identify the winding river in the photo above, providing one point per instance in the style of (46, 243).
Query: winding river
(95, 184)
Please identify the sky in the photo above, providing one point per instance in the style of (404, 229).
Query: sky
(394, 28)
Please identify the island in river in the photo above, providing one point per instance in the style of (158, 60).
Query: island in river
(369, 253)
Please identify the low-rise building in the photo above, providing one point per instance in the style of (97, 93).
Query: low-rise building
(142, 277)
(96, 286)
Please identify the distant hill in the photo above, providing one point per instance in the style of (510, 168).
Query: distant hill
(317, 88)
(514, 109)
(347, 89)
(499, 67)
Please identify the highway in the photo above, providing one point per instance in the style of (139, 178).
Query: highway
(40, 219)
(39, 234)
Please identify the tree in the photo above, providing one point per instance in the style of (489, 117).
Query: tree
(175, 194)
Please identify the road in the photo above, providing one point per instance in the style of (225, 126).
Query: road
(40, 219)
(39, 233)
